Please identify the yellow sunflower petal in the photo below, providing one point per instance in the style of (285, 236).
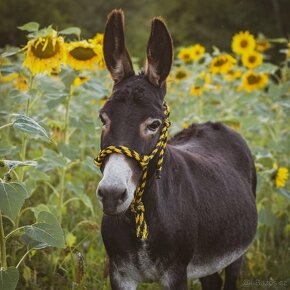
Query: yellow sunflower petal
(243, 42)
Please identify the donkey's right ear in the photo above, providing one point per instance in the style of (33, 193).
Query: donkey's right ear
(116, 56)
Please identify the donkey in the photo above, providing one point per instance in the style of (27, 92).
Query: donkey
(201, 214)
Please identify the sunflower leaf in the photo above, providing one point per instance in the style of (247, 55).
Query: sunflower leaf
(10, 51)
(12, 196)
(46, 230)
(29, 126)
(30, 27)
(9, 278)
(71, 30)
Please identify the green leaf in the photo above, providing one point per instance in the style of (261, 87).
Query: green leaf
(284, 192)
(29, 126)
(12, 196)
(68, 151)
(12, 164)
(33, 244)
(267, 68)
(46, 230)
(266, 217)
(30, 27)
(9, 279)
(67, 76)
(71, 30)
(278, 40)
(10, 51)
(51, 160)
(37, 175)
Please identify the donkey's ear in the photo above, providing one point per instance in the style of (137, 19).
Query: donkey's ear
(159, 53)
(116, 55)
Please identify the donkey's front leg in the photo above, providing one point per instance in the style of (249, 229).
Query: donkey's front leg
(175, 278)
(120, 280)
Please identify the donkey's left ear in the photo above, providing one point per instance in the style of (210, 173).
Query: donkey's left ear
(159, 53)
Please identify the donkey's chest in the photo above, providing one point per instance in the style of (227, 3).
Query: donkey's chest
(140, 266)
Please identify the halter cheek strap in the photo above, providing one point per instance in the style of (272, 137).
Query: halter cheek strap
(137, 206)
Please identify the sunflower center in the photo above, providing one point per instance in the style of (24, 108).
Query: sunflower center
(186, 56)
(253, 79)
(45, 48)
(252, 59)
(82, 53)
(220, 62)
(244, 43)
(180, 75)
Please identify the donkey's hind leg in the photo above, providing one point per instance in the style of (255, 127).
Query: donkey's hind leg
(211, 282)
(232, 272)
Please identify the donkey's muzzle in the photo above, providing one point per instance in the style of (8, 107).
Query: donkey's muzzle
(112, 198)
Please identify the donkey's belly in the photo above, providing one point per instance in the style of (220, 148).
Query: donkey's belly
(201, 267)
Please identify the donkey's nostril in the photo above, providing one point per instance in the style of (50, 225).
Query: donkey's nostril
(100, 193)
(123, 196)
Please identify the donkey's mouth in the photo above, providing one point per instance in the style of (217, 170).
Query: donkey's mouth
(114, 214)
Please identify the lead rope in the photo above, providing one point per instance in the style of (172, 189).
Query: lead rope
(137, 207)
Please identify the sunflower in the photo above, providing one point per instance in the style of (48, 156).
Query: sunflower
(222, 64)
(98, 39)
(197, 51)
(185, 54)
(232, 75)
(252, 59)
(103, 100)
(44, 54)
(252, 81)
(21, 83)
(83, 54)
(262, 45)
(281, 175)
(79, 81)
(181, 74)
(9, 78)
(196, 90)
(185, 125)
(243, 42)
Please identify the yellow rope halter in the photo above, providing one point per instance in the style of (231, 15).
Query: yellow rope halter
(137, 206)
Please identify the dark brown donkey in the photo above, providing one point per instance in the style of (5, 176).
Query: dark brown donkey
(201, 213)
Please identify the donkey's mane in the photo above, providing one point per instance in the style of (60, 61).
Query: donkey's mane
(194, 130)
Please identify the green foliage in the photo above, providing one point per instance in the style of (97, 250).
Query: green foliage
(12, 196)
(9, 279)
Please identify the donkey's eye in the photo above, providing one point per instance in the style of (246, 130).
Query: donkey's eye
(154, 125)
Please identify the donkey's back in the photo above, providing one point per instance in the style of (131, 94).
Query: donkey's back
(216, 142)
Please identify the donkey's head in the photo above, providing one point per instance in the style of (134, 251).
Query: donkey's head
(133, 115)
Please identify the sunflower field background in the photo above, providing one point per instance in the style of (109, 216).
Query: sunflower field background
(51, 91)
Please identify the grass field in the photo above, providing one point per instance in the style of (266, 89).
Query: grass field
(49, 129)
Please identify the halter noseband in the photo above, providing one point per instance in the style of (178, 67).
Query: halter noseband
(137, 206)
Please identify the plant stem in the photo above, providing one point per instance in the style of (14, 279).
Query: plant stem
(15, 230)
(2, 245)
(66, 119)
(6, 125)
(63, 171)
(24, 139)
(24, 256)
